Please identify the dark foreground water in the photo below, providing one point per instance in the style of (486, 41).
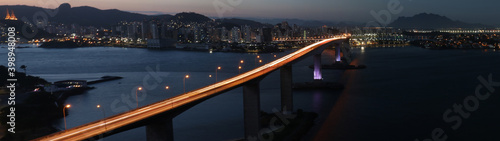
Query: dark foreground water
(402, 95)
(405, 92)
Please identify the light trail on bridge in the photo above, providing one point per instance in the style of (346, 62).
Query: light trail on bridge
(108, 124)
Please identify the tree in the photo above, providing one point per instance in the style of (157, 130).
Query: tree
(24, 68)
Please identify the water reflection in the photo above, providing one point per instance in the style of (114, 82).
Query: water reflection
(317, 101)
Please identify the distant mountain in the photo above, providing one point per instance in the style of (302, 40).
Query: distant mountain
(431, 21)
(84, 16)
(299, 22)
(350, 24)
(148, 12)
(164, 17)
(230, 23)
(190, 17)
(90, 16)
(316, 23)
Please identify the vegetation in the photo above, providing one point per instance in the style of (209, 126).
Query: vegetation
(24, 82)
(33, 116)
(30, 107)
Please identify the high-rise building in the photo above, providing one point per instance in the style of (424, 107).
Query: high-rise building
(224, 34)
(154, 31)
(236, 35)
(267, 35)
(246, 34)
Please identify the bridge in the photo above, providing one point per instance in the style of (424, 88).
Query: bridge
(305, 39)
(157, 117)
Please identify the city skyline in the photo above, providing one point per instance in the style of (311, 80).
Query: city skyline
(338, 11)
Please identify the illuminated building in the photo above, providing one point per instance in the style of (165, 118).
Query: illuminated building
(71, 83)
(10, 16)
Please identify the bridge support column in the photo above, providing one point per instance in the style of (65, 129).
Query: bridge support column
(251, 108)
(286, 89)
(337, 53)
(317, 67)
(160, 130)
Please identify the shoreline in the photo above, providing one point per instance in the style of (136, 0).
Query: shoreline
(170, 49)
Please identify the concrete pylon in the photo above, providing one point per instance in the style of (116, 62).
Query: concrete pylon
(160, 130)
(317, 67)
(337, 53)
(345, 47)
(251, 108)
(286, 89)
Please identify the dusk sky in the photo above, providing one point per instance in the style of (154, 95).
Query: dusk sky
(478, 11)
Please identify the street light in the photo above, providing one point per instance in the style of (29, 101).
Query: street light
(218, 68)
(64, 114)
(239, 66)
(166, 88)
(184, 82)
(104, 119)
(258, 57)
(137, 99)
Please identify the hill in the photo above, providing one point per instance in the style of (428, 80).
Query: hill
(299, 22)
(84, 16)
(229, 23)
(431, 21)
(190, 17)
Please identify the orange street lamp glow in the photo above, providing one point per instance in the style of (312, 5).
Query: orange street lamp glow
(258, 57)
(218, 68)
(239, 66)
(64, 114)
(137, 99)
(184, 82)
(104, 114)
(166, 88)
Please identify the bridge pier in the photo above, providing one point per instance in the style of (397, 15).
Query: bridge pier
(337, 53)
(251, 108)
(161, 129)
(346, 52)
(286, 89)
(317, 67)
